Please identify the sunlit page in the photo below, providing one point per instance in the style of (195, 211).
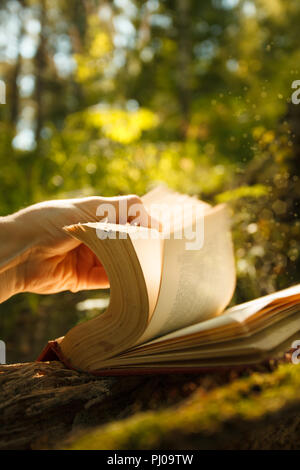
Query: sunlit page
(196, 284)
(239, 314)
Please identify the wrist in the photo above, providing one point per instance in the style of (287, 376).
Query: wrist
(12, 254)
(14, 239)
(10, 283)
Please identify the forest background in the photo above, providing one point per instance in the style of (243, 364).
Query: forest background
(112, 97)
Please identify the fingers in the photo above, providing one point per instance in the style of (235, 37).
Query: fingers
(97, 278)
(119, 210)
(138, 215)
(90, 273)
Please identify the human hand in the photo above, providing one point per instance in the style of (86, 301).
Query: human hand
(39, 256)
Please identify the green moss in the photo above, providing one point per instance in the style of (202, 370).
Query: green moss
(245, 399)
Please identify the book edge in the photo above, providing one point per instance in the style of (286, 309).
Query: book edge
(52, 352)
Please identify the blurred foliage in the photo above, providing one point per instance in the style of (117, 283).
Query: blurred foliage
(110, 97)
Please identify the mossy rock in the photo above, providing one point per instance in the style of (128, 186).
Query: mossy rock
(45, 405)
(261, 411)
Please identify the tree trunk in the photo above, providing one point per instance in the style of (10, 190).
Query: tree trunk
(40, 63)
(184, 61)
(43, 404)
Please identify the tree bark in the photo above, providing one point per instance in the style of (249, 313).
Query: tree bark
(45, 405)
(42, 403)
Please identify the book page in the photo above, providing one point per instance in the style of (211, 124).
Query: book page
(239, 314)
(150, 254)
(148, 247)
(196, 284)
(257, 343)
(162, 201)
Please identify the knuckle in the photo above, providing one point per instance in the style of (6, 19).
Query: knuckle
(134, 199)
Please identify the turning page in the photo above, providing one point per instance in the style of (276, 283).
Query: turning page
(196, 284)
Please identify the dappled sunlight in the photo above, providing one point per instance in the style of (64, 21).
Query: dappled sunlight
(115, 97)
(121, 126)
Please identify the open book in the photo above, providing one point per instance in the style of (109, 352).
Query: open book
(168, 293)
